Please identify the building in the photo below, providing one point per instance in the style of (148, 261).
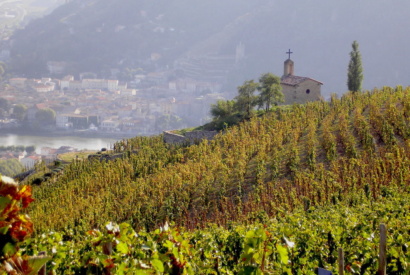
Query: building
(30, 161)
(298, 89)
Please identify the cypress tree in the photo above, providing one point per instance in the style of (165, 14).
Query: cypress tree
(355, 70)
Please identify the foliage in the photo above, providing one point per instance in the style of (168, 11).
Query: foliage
(4, 104)
(270, 91)
(222, 109)
(12, 148)
(246, 100)
(45, 117)
(30, 149)
(290, 243)
(355, 70)
(15, 227)
(19, 111)
(10, 167)
(231, 112)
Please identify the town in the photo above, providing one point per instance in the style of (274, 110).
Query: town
(106, 107)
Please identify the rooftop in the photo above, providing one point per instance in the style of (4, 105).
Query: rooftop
(293, 80)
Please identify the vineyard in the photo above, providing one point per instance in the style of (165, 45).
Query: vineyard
(277, 194)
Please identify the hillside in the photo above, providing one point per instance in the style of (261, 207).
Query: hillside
(97, 35)
(313, 153)
(278, 194)
(295, 183)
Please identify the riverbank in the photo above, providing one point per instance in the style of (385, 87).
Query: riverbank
(48, 141)
(84, 134)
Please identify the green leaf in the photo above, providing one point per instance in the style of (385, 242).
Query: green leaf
(37, 262)
(283, 253)
(158, 265)
(122, 248)
(9, 250)
(4, 230)
(4, 201)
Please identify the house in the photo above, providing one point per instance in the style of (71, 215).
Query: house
(75, 121)
(109, 125)
(44, 88)
(105, 84)
(65, 82)
(298, 89)
(30, 161)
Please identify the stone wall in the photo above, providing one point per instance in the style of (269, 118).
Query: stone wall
(308, 90)
(172, 138)
(189, 137)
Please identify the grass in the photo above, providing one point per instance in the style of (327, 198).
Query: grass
(69, 157)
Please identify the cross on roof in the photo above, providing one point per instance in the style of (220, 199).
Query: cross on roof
(289, 53)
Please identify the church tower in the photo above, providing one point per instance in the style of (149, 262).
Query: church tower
(289, 66)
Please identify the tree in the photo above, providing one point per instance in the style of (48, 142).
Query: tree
(222, 109)
(246, 100)
(4, 104)
(355, 70)
(19, 111)
(30, 149)
(3, 67)
(46, 117)
(270, 91)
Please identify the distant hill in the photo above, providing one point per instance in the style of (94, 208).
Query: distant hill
(97, 35)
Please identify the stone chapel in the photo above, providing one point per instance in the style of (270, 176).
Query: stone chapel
(298, 89)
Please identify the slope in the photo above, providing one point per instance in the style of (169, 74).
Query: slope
(296, 157)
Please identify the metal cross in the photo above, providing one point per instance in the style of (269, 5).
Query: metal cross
(289, 53)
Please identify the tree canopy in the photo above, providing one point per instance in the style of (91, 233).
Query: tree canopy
(355, 70)
(46, 117)
(270, 91)
(223, 108)
(19, 111)
(270, 94)
(246, 99)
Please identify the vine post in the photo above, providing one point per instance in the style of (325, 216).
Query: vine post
(382, 250)
(341, 261)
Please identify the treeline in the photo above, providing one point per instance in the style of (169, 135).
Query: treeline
(296, 157)
(17, 148)
(263, 94)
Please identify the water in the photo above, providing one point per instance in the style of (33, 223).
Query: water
(79, 143)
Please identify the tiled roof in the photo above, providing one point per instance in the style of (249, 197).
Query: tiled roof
(293, 80)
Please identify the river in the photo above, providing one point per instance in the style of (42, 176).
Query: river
(79, 143)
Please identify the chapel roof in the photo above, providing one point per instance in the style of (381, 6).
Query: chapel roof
(293, 80)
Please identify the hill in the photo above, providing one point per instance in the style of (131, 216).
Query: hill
(314, 153)
(278, 193)
(91, 36)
